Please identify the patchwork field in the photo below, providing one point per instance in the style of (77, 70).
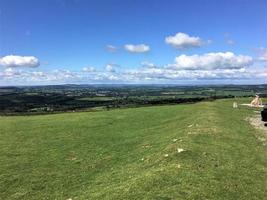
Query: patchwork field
(206, 150)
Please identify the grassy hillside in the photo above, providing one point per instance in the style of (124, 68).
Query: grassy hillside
(132, 154)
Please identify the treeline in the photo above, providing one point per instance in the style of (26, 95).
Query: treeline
(59, 103)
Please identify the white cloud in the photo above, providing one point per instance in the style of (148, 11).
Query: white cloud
(112, 77)
(139, 48)
(263, 57)
(159, 74)
(262, 53)
(111, 67)
(148, 64)
(88, 69)
(63, 74)
(19, 61)
(210, 61)
(184, 41)
(9, 73)
(111, 48)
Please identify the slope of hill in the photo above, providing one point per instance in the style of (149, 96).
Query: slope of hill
(201, 151)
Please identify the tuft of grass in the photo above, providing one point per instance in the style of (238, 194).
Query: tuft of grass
(121, 154)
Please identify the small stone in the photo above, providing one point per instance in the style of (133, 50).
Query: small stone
(166, 155)
(179, 150)
(174, 140)
(142, 159)
(190, 125)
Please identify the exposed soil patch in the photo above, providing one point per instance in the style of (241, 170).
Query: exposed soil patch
(258, 124)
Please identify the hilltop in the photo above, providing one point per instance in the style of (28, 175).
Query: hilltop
(205, 150)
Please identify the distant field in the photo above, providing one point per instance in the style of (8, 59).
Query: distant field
(133, 154)
(28, 100)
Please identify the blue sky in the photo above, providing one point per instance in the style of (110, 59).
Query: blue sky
(125, 41)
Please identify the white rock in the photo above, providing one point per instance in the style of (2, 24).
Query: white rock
(179, 150)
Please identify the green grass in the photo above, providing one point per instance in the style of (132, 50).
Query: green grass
(120, 154)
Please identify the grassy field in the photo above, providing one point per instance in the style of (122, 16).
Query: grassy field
(133, 154)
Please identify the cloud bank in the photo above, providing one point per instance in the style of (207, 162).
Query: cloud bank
(211, 68)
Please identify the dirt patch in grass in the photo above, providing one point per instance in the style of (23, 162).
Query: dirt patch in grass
(257, 123)
(260, 125)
